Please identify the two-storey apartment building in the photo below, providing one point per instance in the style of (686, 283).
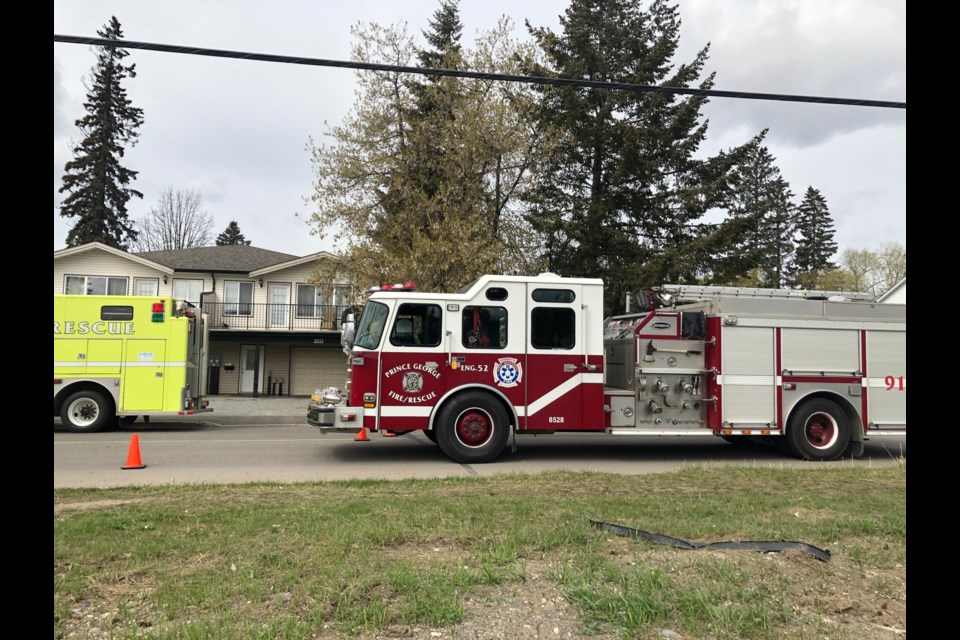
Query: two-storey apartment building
(272, 331)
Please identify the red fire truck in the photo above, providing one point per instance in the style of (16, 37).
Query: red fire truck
(816, 372)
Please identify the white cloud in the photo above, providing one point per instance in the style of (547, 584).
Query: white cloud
(237, 129)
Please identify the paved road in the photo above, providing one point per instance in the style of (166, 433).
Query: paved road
(258, 448)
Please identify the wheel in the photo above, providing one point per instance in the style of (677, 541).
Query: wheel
(473, 427)
(86, 411)
(431, 435)
(818, 430)
(125, 421)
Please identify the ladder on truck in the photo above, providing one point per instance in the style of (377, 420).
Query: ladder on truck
(673, 293)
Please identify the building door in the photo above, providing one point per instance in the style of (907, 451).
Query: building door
(248, 358)
(279, 297)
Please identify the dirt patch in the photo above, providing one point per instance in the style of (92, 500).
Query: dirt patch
(60, 508)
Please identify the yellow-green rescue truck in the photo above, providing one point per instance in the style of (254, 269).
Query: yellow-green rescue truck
(117, 357)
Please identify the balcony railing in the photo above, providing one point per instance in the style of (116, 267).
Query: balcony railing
(248, 316)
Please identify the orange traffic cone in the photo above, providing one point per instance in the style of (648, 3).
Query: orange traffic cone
(362, 436)
(389, 434)
(133, 456)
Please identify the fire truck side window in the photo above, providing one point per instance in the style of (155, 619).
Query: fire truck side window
(371, 325)
(553, 328)
(417, 325)
(484, 327)
(116, 313)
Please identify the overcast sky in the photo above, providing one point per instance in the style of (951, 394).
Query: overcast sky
(238, 130)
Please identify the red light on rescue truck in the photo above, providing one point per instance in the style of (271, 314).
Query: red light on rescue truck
(157, 312)
(409, 286)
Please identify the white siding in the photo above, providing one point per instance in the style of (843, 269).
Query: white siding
(291, 276)
(899, 296)
(101, 263)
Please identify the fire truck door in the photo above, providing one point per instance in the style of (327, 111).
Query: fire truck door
(555, 356)
(411, 366)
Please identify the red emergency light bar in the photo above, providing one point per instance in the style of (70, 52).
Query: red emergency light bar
(409, 286)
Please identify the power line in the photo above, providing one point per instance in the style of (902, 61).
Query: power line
(367, 66)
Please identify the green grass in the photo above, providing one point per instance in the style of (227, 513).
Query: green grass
(344, 558)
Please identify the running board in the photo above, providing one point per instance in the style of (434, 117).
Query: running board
(661, 432)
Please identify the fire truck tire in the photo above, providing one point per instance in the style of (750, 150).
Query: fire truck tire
(86, 412)
(472, 428)
(431, 435)
(125, 421)
(818, 430)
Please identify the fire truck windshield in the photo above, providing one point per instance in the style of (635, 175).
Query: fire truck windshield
(372, 321)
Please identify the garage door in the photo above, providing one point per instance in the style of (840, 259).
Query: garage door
(311, 369)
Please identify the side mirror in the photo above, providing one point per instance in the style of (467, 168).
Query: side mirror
(347, 335)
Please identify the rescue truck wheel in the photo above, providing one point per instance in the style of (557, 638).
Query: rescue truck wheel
(85, 412)
(472, 427)
(818, 430)
(125, 421)
(431, 435)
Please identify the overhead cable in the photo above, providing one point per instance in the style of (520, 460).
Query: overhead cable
(476, 75)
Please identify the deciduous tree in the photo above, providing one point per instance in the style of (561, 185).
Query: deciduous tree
(420, 180)
(875, 271)
(176, 222)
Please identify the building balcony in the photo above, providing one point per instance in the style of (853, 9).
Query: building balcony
(248, 316)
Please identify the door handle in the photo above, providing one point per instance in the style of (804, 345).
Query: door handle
(569, 367)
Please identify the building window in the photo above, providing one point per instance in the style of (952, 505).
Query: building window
(189, 290)
(95, 285)
(238, 298)
(145, 286)
(310, 301)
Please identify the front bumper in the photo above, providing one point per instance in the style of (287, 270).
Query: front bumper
(334, 418)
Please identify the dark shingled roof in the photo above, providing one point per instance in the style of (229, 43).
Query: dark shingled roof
(232, 258)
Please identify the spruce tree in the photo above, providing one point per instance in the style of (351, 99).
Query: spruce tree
(624, 194)
(443, 36)
(815, 230)
(763, 202)
(231, 235)
(98, 185)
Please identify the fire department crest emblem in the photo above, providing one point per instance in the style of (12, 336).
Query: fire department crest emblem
(412, 382)
(507, 372)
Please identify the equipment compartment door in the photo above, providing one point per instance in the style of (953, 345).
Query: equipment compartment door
(887, 378)
(144, 367)
(555, 355)
(749, 381)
